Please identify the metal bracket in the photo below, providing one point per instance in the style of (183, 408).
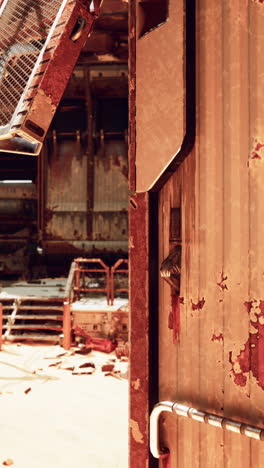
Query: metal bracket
(201, 416)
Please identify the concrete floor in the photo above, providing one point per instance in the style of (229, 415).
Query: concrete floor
(63, 420)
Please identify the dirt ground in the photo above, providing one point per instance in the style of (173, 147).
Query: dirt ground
(55, 414)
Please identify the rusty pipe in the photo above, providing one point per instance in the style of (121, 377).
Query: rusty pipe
(221, 422)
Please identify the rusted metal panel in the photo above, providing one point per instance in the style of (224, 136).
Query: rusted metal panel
(66, 199)
(139, 329)
(132, 95)
(217, 364)
(110, 192)
(111, 171)
(18, 190)
(110, 225)
(67, 196)
(159, 94)
(83, 247)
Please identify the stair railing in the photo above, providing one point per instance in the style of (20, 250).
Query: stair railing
(68, 299)
(118, 268)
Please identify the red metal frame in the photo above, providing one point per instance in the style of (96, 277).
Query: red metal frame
(139, 330)
(79, 273)
(66, 325)
(115, 269)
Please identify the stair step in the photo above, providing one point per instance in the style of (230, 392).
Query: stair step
(35, 337)
(39, 307)
(33, 327)
(32, 299)
(35, 317)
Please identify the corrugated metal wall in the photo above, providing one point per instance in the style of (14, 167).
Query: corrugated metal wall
(111, 192)
(66, 195)
(68, 220)
(218, 365)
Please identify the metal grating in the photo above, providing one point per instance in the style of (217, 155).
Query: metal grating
(25, 26)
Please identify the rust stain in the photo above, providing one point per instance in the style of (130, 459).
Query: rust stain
(221, 283)
(249, 356)
(219, 337)
(199, 304)
(136, 384)
(116, 160)
(124, 171)
(131, 242)
(48, 215)
(136, 434)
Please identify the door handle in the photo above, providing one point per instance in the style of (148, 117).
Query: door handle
(208, 418)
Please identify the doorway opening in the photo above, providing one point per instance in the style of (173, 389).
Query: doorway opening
(64, 269)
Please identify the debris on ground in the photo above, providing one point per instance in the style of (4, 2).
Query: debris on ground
(79, 371)
(84, 350)
(87, 364)
(122, 350)
(107, 367)
(8, 462)
(47, 366)
(54, 364)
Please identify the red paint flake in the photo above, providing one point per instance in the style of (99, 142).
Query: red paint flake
(258, 146)
(222, 281)
(199, 304)
(249, 357)
(174, 317)
(255, 156)
(219, 337)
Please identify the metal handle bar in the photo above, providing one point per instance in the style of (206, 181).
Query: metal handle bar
(201, 416)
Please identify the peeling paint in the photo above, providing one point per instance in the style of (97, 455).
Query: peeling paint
(131, 242)
(219, 337)
(136, 384)
(249, 356)
(199, 304)
(256, 153)
(221, 283)
(136, 434)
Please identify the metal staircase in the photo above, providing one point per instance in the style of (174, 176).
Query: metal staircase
(32, 318)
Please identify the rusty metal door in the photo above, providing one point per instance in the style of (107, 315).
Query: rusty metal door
(202, 354)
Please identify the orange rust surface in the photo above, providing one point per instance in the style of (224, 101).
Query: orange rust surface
(160, 96)
(139, 325)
